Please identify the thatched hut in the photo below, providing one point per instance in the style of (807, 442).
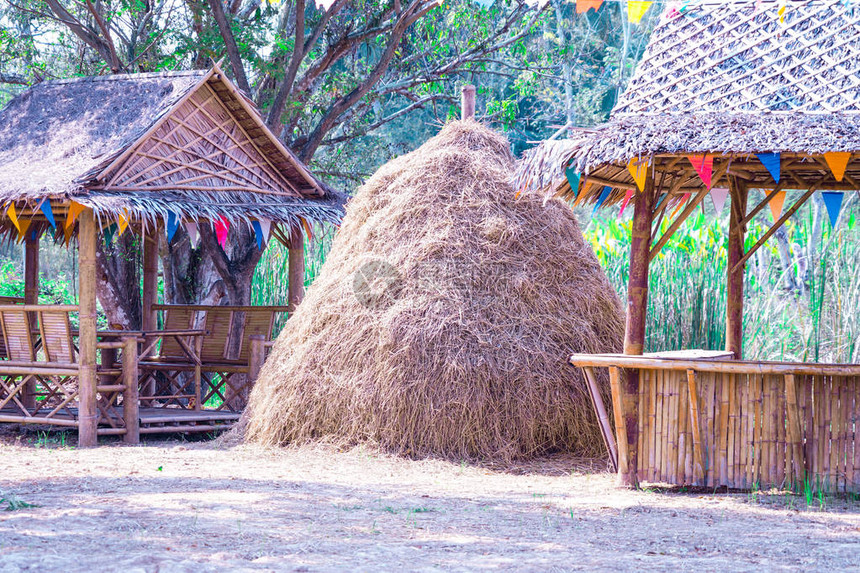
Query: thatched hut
(143, 152)
(441, 319)
(748, 99)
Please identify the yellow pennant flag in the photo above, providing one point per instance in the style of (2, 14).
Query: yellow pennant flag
(636, 9)
(781, 11)
(639, 170)
(838, 162)
(776, 205)
(75, 209)
(122, 222)
(13, 216)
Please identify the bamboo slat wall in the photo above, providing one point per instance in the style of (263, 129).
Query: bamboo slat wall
(749, 430)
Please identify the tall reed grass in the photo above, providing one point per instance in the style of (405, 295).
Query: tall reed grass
(807, 308)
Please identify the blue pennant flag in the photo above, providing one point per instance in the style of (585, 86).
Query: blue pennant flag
(771, 163)
(258, 232)
(172, 225)
(48, 212)
(603, 195)
(833, 202)
(660, 201)
(572, 178)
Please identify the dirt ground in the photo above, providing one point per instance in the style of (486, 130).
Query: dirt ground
(172, 506)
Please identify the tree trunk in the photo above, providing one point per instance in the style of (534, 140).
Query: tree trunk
(118, 285)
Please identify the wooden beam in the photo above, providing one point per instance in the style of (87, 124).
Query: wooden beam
(794, 430)
(616, 389)
(688, 210)
(785, 217)
(735, 274)
(31, 296)
(130, 398)
(296, 270)
(87, 380)
(698, 454)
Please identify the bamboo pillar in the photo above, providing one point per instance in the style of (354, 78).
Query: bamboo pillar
(150, 279)
(87, 380)
(467, 102)
(634, 335)
(31, 296)
(130, 398)
(296, 270)
(735, 279)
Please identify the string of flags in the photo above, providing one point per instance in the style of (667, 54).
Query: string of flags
(703, 165)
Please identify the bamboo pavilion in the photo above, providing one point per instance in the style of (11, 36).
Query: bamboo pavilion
(729, 97)
(141, 153)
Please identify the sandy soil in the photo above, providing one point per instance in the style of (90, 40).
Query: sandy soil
(174, 506)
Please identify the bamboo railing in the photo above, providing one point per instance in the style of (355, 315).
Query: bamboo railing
(739, 424)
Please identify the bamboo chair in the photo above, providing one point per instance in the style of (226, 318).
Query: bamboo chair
(165, 376)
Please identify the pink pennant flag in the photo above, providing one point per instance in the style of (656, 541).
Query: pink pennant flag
(222, 227)
(627, 197)
(193, 235)
(718, 196)
(704, 166)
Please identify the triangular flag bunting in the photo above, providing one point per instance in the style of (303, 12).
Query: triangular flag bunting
(776, 203)
(718, 196)
(660, 200)
(258, 233)
(771, 163)
(109, 233)
(265, 229)
(193, 234)
(583, 6)
(639, 170)
(22, 230)
(13, 216)
(573, 178)
(222, 227)
(833, 202)
(838, 162)
(627, 197)
(603, 195)
(48, 212)
(636, 9)
(172, 225)
(122, 222)
(309, 233)
(704, 166)
(781, 11)
(75, 209)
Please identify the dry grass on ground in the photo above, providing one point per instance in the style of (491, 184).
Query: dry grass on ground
(173, 506)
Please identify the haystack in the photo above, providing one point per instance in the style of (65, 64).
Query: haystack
(441, 321)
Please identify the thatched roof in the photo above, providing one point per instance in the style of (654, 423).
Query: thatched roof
(441, 319)
(730, 79)
(186, 142)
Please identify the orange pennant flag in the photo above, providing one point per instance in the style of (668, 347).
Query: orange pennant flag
(585, 5)
(13, 216)
(681, 203)
(75, 209)
(639, 170)
(24, 225)
(838, 162)
(122, 223)
(776, 205)
(636, 9)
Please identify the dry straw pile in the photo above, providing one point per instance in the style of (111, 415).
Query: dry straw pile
(441, 321)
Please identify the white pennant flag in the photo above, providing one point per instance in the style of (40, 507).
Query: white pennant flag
(266, 227)
(718, 196)
(193, 235)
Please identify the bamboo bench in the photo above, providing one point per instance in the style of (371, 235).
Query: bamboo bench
(213, 373)
(38, 377)
(734, 423)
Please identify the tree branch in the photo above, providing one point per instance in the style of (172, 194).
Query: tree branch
(233, 54)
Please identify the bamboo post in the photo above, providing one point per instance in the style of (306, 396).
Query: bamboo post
(634, 336)
(696, 428)
(87, 381)
(150, 280)
(256, 356)
(31, 296)
(735, 278)
(130, 398)
(467, 102)
(296, 272)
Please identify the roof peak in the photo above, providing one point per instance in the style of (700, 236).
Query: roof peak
(125, 77)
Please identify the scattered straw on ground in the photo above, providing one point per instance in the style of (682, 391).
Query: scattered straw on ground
(442, 318)
(196, 508)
